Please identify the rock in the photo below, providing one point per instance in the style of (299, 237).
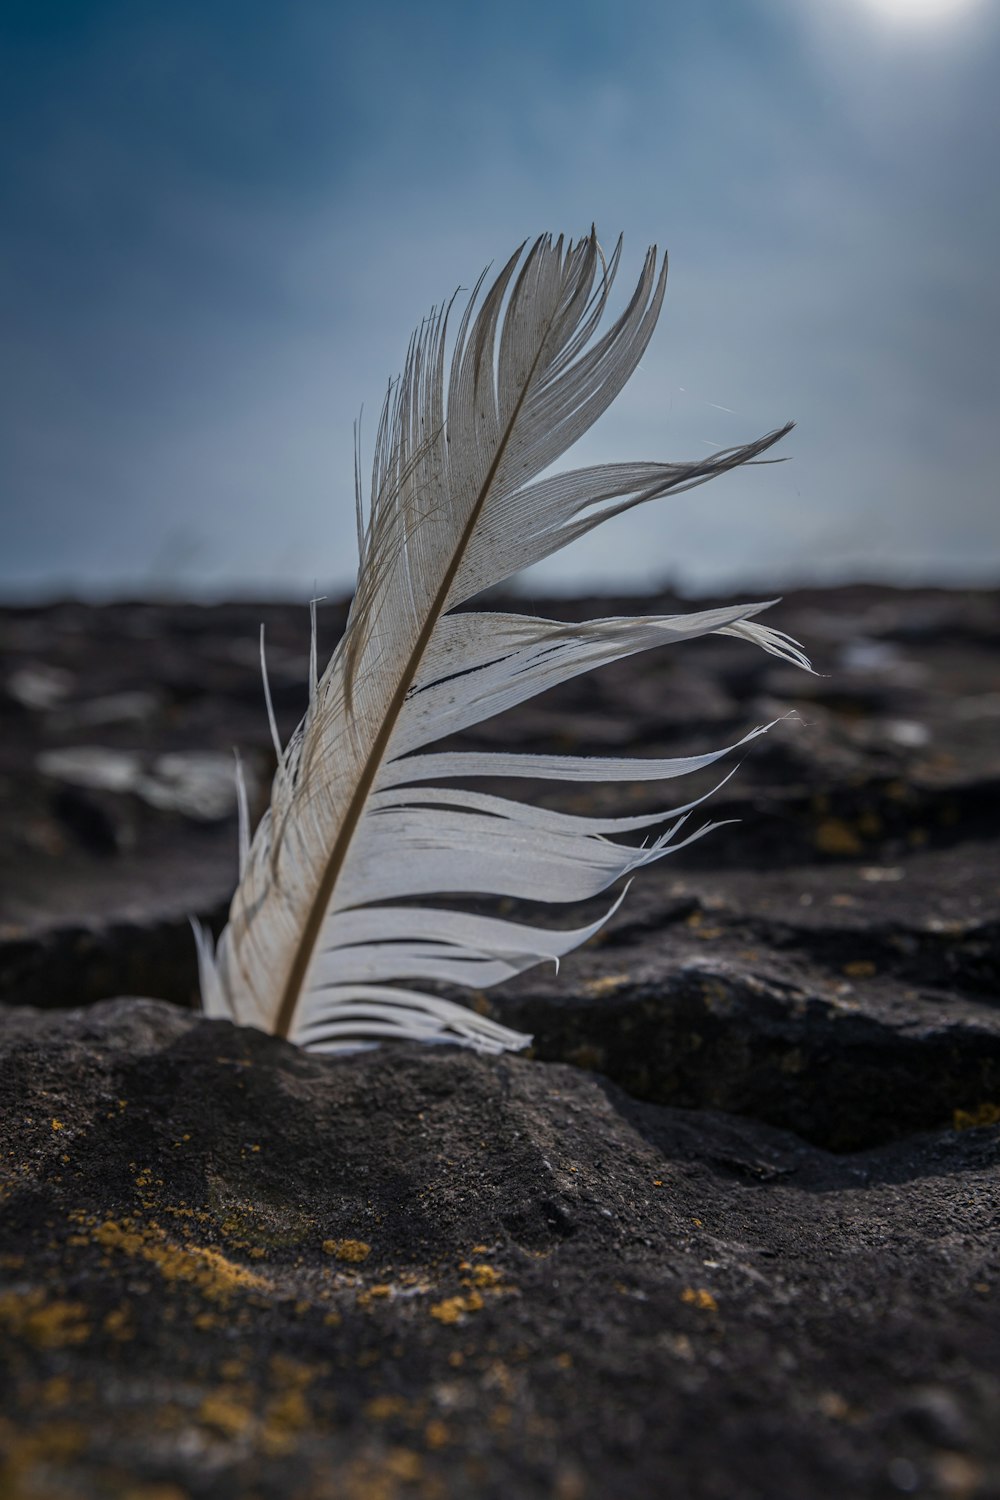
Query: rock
(117, 784)
(850, 1003)
(233, 1269)
(843, 1071)
(830, 965)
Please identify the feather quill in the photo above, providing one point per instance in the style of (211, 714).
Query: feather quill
(333, 922)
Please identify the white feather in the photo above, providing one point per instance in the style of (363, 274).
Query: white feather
(317, 929)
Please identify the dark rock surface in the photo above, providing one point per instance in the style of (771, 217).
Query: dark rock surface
(830, 965)
(760, 1262)
(235, 1270)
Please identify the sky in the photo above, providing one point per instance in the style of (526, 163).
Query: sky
(220, 222)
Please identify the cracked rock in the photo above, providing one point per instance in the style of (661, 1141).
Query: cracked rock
(231, 1268)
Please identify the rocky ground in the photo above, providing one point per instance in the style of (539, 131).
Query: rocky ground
(730, 1230)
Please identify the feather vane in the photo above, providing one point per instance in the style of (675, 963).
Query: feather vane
(330, 925)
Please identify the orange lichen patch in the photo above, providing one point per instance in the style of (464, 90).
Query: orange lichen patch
(351, 1251)
(287, 1413)
(983, 1114)
(117, 1323)
(482, 1275)
(605, 984)
(227, 1413)
(454, 1309)
(700, 1298)
(205, 1268)
(22, 1453)
(834, 836)
(378, 1293)
(293, 1372)
(436, 1434)
(383, 1408)
(230, 1409)
(859, 968)
(181, 1211)
(402, 1464)
(284, 1419)
(48, 1324)
(247, 1228)
(58, 1125)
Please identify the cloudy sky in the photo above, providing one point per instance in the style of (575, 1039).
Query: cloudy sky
(220, 222)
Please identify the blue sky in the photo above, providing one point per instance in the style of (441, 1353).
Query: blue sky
(220, 222)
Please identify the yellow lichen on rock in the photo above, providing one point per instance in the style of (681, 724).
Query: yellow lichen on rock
(983, 1114)
(859, 968)
(226, 1413)
(49, 1324)
(699, 1297)
(482, 1275)
(605, 984)
(454, 1309)
(351, 1251)
(23, 1453)
(381, 1292)
(202, 1266)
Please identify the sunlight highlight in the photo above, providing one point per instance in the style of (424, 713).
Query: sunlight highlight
(921, 12)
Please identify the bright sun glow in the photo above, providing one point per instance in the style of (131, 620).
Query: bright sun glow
(921, 11)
